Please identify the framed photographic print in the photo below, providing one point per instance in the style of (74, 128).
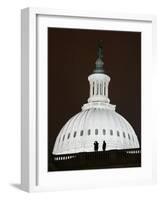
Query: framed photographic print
(86, 99)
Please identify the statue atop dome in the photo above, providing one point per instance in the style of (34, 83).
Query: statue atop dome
(99, 62)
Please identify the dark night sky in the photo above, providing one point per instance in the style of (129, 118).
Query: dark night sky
(71, 59)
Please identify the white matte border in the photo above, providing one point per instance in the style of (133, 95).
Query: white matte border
(104, 176)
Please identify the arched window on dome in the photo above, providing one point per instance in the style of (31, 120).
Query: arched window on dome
(89, 131)
(111, 132)
(81, 133)
(75, 134)
(96, 131)
(129, 136)
(63, 137)
(68, 136)
(104, 132)
(118, 133)
(124, 134)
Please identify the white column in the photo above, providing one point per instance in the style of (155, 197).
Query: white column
(91, 88)
(100, 88)
(106, 89)
(95, 88)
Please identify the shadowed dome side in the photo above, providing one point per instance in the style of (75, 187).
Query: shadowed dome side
(88, 126)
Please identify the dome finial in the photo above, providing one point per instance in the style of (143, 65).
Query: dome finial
(99, 62)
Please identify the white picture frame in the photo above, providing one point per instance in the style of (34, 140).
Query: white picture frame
(34, 176)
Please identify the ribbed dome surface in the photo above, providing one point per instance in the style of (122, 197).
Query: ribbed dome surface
(95, 124)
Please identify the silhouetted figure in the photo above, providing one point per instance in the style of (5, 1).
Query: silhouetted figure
(96, 146)
(104, 146)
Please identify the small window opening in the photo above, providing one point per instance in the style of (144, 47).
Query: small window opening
(129, 136)
(96, 131)
(75, 134)
(104, 132)
(81, 133)
(124, 134)
(118, 134)
(68, 135)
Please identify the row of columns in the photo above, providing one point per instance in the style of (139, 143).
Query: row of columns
(133, 152)
(64, 157)
(98, 88)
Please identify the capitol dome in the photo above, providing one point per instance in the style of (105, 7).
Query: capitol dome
(97, 122)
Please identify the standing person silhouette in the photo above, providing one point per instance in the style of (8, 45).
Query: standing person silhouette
(104, 146)
(96, 146)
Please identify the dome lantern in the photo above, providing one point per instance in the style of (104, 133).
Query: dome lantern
(99, 82)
